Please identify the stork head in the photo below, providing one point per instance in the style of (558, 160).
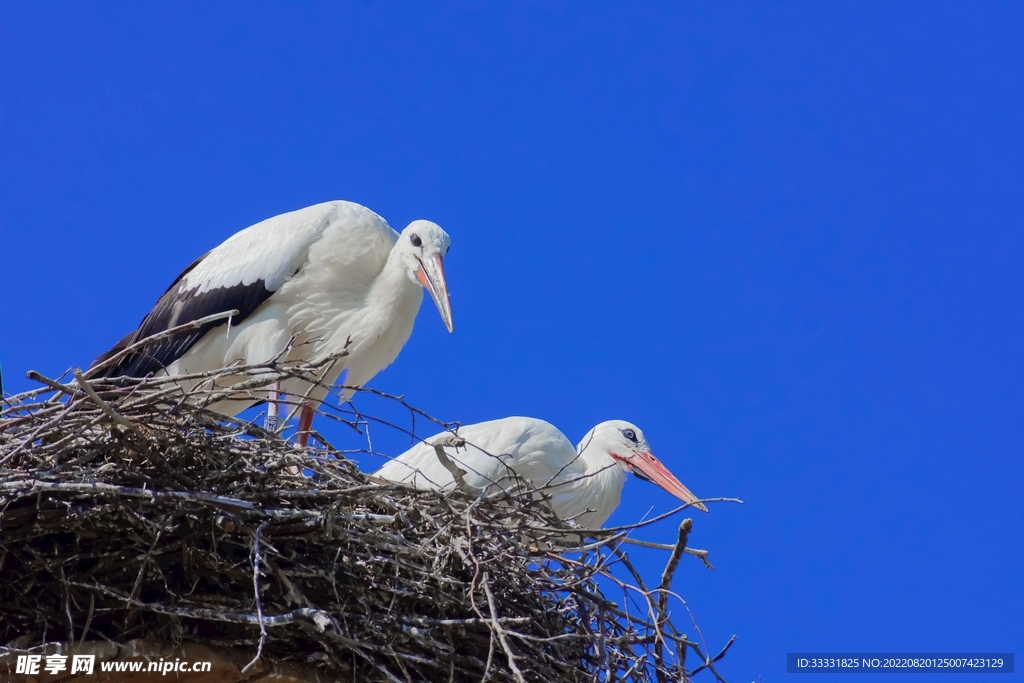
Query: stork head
(626, 445)
(422, 246)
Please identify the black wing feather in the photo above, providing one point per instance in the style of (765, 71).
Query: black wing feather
(177, 308)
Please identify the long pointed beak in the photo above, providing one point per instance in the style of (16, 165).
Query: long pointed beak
(431, 276)
(646, 466)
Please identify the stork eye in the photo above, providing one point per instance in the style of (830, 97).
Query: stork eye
(629, 434)
(415, 239)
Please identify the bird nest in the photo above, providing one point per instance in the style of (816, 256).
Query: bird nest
(131, 512)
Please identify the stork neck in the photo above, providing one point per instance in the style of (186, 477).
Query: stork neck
(603, 479)
(393, 288)
(604, 469)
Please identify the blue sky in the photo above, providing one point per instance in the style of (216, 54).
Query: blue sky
(783, 238)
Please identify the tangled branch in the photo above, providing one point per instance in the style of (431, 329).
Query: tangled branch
(129, 510)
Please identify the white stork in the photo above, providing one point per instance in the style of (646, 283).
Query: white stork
(584, 483)
(333, 276)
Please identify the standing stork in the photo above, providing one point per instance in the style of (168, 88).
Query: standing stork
(584, 483)
(331, 277)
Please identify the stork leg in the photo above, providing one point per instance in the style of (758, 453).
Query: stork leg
(305, 422)
(274, 395)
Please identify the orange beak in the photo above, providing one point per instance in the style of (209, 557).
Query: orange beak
(649, 468)
(431, 275)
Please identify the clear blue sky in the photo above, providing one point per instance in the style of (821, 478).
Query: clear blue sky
(784, 239)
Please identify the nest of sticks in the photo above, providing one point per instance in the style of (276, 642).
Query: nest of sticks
(130, 511)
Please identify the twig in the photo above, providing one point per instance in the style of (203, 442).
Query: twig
(500, 630)
(256, 594)
(458, 474)
(709, 662)
(116, 417)
(670, 568)
(88, 618)
(666, 515)
(663, 593)
(34, 485)
(701, 554)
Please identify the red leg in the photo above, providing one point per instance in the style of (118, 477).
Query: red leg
(305, 422)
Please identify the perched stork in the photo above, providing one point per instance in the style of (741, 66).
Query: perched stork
(333, 277)
(584, 483)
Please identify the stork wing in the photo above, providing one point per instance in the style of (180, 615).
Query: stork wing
(506, 451)
(240, 274)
